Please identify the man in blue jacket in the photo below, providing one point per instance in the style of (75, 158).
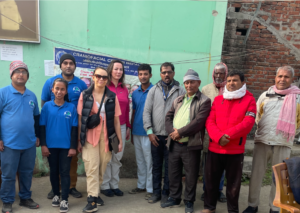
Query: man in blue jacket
(19, 137)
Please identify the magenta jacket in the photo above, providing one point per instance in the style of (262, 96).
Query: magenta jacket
(122, 94)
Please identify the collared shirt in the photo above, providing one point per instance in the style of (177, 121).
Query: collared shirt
(17, 117)
(182, 117)
(75, 87)
(122, 94)
(59, 121)
(138, 103)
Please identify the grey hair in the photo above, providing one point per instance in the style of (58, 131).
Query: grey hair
(220, 66)
(286, 68)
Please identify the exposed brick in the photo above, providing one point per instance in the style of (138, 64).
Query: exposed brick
(289, 8)
(246, 22)
(297, 45)
(277, 26)
(294, 13)
(266, 17)
(283, 4)
(265, 35)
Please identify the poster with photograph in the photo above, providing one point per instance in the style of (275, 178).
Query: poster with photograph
(19, 20)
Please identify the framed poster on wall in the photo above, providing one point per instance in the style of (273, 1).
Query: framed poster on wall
(19, 20)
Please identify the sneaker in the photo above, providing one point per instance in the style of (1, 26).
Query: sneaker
(117, 192)
(91, 206)
(75, 193)
(107, 192)
(155, 198)
(251, 209)
(64, 206)
(164, 198)
(171, 202)
(148, 195)
(100, 202)
(202, 197)
(7, 208)
(29, 203)
(189, 207)
(55, 201)
(136, 190)
(50, 195)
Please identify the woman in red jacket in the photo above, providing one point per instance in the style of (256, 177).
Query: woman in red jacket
(116, 77)
(231, 118)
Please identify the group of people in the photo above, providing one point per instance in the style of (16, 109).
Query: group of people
(170, 126)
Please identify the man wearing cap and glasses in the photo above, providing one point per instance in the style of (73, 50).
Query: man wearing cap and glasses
(158, 103)
(75, 87)
(185, 124)
(19, 137)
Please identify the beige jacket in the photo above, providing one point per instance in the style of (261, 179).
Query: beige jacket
(211, 91)
(268, 109)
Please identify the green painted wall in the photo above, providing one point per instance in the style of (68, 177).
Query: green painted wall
(143, 31)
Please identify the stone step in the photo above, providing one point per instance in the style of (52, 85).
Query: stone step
(250, 146)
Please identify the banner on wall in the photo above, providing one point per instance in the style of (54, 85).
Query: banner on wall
(87, 62)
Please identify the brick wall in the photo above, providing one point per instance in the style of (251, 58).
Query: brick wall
(274, 40)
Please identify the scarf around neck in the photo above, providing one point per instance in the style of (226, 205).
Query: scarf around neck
(286, 124)
(221, 86)
(235, 94)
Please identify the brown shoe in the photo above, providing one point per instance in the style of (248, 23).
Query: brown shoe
(208, 211)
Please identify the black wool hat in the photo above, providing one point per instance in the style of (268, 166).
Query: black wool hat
(66, 56)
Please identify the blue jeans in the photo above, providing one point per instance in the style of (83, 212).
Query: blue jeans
(13, 161)
(160, 155)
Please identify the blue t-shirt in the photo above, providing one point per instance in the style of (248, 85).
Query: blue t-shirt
(59, 121)
(17, 117)
(75, 87)
(138, 103)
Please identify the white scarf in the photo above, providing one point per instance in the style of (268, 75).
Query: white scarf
(235, 94)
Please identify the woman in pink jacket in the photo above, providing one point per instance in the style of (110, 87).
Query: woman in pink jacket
(116, 76)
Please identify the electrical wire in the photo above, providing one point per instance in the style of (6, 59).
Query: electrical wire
(197, 60)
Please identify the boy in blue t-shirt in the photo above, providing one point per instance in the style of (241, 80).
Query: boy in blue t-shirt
(59, 133)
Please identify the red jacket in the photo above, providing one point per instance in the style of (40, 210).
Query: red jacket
(231, 117)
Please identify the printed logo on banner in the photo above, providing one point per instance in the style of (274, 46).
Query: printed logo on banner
(76, 89)
(59, 54)
(31, 104)
(67, 114)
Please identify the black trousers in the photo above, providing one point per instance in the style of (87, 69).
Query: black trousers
(159, 156)
(59, 165)
(180, 157)
(214, 168)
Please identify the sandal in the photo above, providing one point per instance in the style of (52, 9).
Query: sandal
(222, 198)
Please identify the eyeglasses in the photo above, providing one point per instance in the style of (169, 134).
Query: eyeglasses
(21, 71)
(167, 72)
(104, 77)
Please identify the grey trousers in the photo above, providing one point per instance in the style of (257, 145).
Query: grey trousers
(262, 154)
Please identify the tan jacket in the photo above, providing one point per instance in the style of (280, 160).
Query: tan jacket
(211, 91)
(268, 109)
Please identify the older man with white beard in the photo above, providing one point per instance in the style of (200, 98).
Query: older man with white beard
(278, 121)
(213, 90)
